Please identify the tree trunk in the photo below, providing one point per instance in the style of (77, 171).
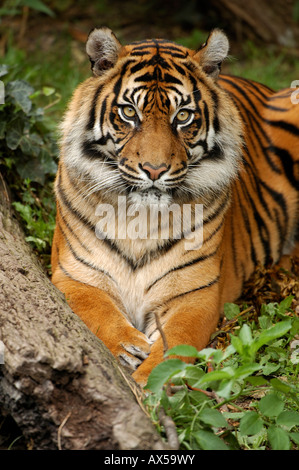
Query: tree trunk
(57, 380)
(259, 20)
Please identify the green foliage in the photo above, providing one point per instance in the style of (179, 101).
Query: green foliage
(13, 7)
(255, 360)
(28, 158)
(296, 10)
(195, 39)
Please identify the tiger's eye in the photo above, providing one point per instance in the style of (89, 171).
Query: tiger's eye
(129, 112)
(183, 115)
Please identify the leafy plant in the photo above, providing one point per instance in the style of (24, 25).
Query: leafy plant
(28, 155)
(13, 7)
(219, 378)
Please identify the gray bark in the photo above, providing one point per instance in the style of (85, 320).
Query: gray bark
(58, 381)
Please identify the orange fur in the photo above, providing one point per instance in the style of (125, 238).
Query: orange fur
(237, 155)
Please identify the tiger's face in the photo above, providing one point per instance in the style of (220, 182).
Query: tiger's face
(157, 126)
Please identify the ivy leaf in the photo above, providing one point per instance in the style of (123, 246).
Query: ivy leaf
(14, 133)
(20, 91)
(47, 162)
(3, 69)
(33, 170)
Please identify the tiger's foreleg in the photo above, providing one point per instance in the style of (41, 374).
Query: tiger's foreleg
(105, 319)
(186, 321)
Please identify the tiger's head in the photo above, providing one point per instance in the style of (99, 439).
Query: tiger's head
(152, 122)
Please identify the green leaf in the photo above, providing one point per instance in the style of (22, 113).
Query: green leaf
(278, 438)
(163, 372)
(2, 129)
(289, 419)
(39, 6)
(48, 91)
(225, 388)
(285, 304)
(264, 322)
(212, 417)
(192, 374)
(225, 373)
(272, 333)
(231, 310)
(20, 91)
(245, 335)
(207, 354)
(3, 69)
(182, 350)
(36, 241)
(250, 424)
(236, 415)
(294, 436)
(14, 133)
(47, 162)
(237, 344)
(281, 386)
(244, 371)
(269, 368)
(33, 170)
(209, 441)
(271, 405)
(257, 380)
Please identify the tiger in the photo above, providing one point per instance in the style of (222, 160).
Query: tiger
(158, 125)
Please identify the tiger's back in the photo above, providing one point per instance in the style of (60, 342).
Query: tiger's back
(155, 132)
(265, 195)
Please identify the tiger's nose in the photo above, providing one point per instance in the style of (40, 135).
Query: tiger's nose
(154, 172)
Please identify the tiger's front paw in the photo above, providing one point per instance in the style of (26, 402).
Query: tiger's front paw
(155, 357)
(133, 349)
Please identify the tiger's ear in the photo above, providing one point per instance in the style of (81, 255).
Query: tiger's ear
(102, 48)
(212, 53)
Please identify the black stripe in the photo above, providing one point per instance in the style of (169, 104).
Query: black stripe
(233, 245)
(90, 151)
(286, 126)
(255, 123)
(215, 154)
(254, 87)
(210, 284)
(66, 273)
(277, 198)
(71, 230)
(82, 260)
(283, 154)
(246, 223)
(288, 164)
(91, 120)
(70, 207)
(182, 266)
